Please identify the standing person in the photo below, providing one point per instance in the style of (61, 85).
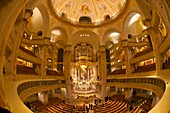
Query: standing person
(87, 109)
(95, 101)
(89, 106)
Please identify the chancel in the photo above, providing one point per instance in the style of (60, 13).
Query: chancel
(84, 56)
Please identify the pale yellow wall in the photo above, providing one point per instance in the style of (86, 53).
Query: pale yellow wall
(36, 22)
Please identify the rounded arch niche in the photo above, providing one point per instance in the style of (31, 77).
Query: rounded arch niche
(59, 36)
(133, 24)
(85, 36)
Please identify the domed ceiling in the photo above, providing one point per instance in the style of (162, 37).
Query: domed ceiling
(87, 11)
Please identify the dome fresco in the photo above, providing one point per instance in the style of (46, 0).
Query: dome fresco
(94, 11)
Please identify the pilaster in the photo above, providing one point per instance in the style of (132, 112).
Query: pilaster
(67, 60)
(128, 55)
(102, 69)
(155, 36)
(46, 42)
(55, 58)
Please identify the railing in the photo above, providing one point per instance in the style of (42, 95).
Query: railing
(33, 41)
(165, 44)
(53, 73)
(137, 44)
(117, 72)
(25, 70)
(150, 67)
(30, 76)
(27, 51)
(144, 52)
(28, 57)
(146, 56)
(28, 88)
(153, 84)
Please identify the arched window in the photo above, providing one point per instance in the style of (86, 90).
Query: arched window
(107, 55)
(39, 33)
(60, 55)
(107, 17)
(149, 39)
(85, 19)
(60, 60)
(63, 15)
(83, 49)
(108, 60)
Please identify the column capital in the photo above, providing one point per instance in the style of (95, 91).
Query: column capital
(46, 40)
(28, 13)
(25, 21)
(147, 22)
(124, 42)
(67, 48)
(102, 48)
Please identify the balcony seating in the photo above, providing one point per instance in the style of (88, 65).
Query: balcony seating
(118, 97)
(151, 67)
(53, 73)
(27, 51)
(142, 105)
(80, 109)
(149, 49)
(117, 72)
(25, 70)
(64, 108)
(147, 105)
(166, 64)
(39, 106)
(137, 109)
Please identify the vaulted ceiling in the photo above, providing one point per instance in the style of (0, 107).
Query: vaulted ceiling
(96, 10)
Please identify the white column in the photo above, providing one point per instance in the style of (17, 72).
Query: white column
(156, 41)
(128, 93)
(67, 60)
(68, 88)
(43, 97)
(44, 56)
(102, 70)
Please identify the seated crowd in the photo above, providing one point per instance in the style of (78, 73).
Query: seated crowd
(114, 104)
(25, 70)
(145, 68)
(52, 73)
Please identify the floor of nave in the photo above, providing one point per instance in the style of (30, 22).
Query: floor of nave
(85, 100)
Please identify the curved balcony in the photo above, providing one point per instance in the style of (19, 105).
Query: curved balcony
(22, 89)
(165, 44)
(118, 72)
(150, 67)
(157, 84)
(148, 73)
(152, 84)
(30, 76)
(149, 81)
(121, 63)
(137, 44)
(28, 57)
(141, 53)
(53, 73)
(49, 63)
(25, 70)
(33, 41)
(142, 57)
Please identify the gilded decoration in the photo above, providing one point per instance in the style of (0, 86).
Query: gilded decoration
(96, 10)
(85, 9)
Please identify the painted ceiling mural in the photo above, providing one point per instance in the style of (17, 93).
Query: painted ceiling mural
(96, 10)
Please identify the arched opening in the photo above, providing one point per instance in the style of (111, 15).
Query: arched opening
(85, 19)
(60, 60)
(106, 17)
